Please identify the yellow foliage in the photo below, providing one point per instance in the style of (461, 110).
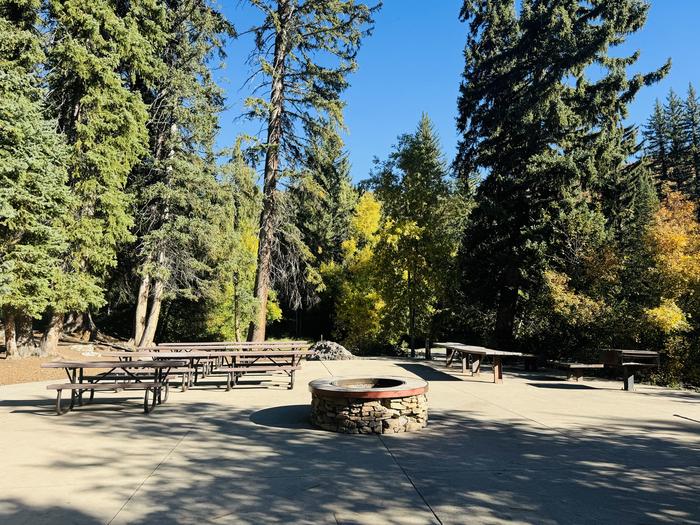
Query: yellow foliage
(668, 317)
(674, 238)
(577, 308)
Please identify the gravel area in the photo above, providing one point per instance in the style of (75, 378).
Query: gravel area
(13, 371)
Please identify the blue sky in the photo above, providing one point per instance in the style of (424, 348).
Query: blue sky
(413, 61)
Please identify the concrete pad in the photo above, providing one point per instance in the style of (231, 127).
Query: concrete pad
(535, 449)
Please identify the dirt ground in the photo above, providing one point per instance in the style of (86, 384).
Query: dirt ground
(29, 369)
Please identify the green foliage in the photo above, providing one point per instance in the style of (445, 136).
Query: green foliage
(230, 302)
(419, 234)
(34, 198)
(176, 195)
(95, 48)
(549, 142)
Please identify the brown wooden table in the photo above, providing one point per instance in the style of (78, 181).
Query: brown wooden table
(630, 361)
(116, 375)
(476, 354)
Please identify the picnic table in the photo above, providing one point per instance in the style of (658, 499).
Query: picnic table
(227, 345)
(150, 376)
(234, 362)
(237, 363)
(475, 354)
(630, 361)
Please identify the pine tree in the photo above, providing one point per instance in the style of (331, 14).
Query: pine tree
(691, 125)
(324, 196)
(656, 146)
(34, 198)
(176, 192)
(534, 135)
(305, 51)
(678, 147)
(98, 46)
(417, 239)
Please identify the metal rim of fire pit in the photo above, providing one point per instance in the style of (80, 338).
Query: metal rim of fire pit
(383, 387)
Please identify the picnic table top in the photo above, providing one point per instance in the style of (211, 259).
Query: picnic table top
(651, 353)
(236, 344)
(198, 354)
(482, 350)
(113, 364)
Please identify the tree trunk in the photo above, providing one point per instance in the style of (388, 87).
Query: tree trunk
(52, 334)
(505, 316)
(256, 330)
(411, 316)
(149, 331)
(80, 325)
(26, 346)
(141, 308)
(10, 334)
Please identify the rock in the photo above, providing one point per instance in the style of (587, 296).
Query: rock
(329, 351)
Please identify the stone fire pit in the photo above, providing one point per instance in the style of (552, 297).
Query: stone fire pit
(369, 405)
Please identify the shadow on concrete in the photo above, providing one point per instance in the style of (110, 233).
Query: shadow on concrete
(563, 386)
(289, 416)
(217, 462)
(427, 373)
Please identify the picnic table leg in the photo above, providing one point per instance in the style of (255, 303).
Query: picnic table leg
(449, 356)
(476, 365)
(497, 369)
(291, 381)
(628, 378)
(59, 410)
(464, 363)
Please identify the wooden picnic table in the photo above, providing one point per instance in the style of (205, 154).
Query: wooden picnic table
(475, 354)
(630, 361)
(128, 378)
(224, 345)
(233, 362)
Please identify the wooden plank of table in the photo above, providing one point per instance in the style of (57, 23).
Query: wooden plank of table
(113, 364)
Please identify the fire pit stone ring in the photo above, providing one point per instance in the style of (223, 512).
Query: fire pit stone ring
(369, 405)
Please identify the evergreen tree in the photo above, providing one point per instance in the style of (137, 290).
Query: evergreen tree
(176, 193)
(691, 125)
(34, 198)
(231, 305)
(533, 124)
(305, 50)
(98, 46)
(418, 237)
(322, 201)
(656, 145)
(324, 196)
(677, 142)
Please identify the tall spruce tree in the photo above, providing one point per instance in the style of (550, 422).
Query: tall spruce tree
(305, 50)
(691, 124)
(678, 147)
(176, 192)
(34, 198)
(98, 48)
(324, 196)
(533, 124)
(418, 238)
(656, 142)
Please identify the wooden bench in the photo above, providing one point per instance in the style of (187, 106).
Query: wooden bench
(575, 370)
(233, 373)
(77, 390)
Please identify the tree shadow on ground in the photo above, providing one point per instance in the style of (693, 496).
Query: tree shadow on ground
(427, 372)
(218, 462)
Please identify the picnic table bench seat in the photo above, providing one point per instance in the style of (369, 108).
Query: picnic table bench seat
(575, 370)
(235, 372)
(148, 387)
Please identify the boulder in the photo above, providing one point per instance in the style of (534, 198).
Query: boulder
(329, 351)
